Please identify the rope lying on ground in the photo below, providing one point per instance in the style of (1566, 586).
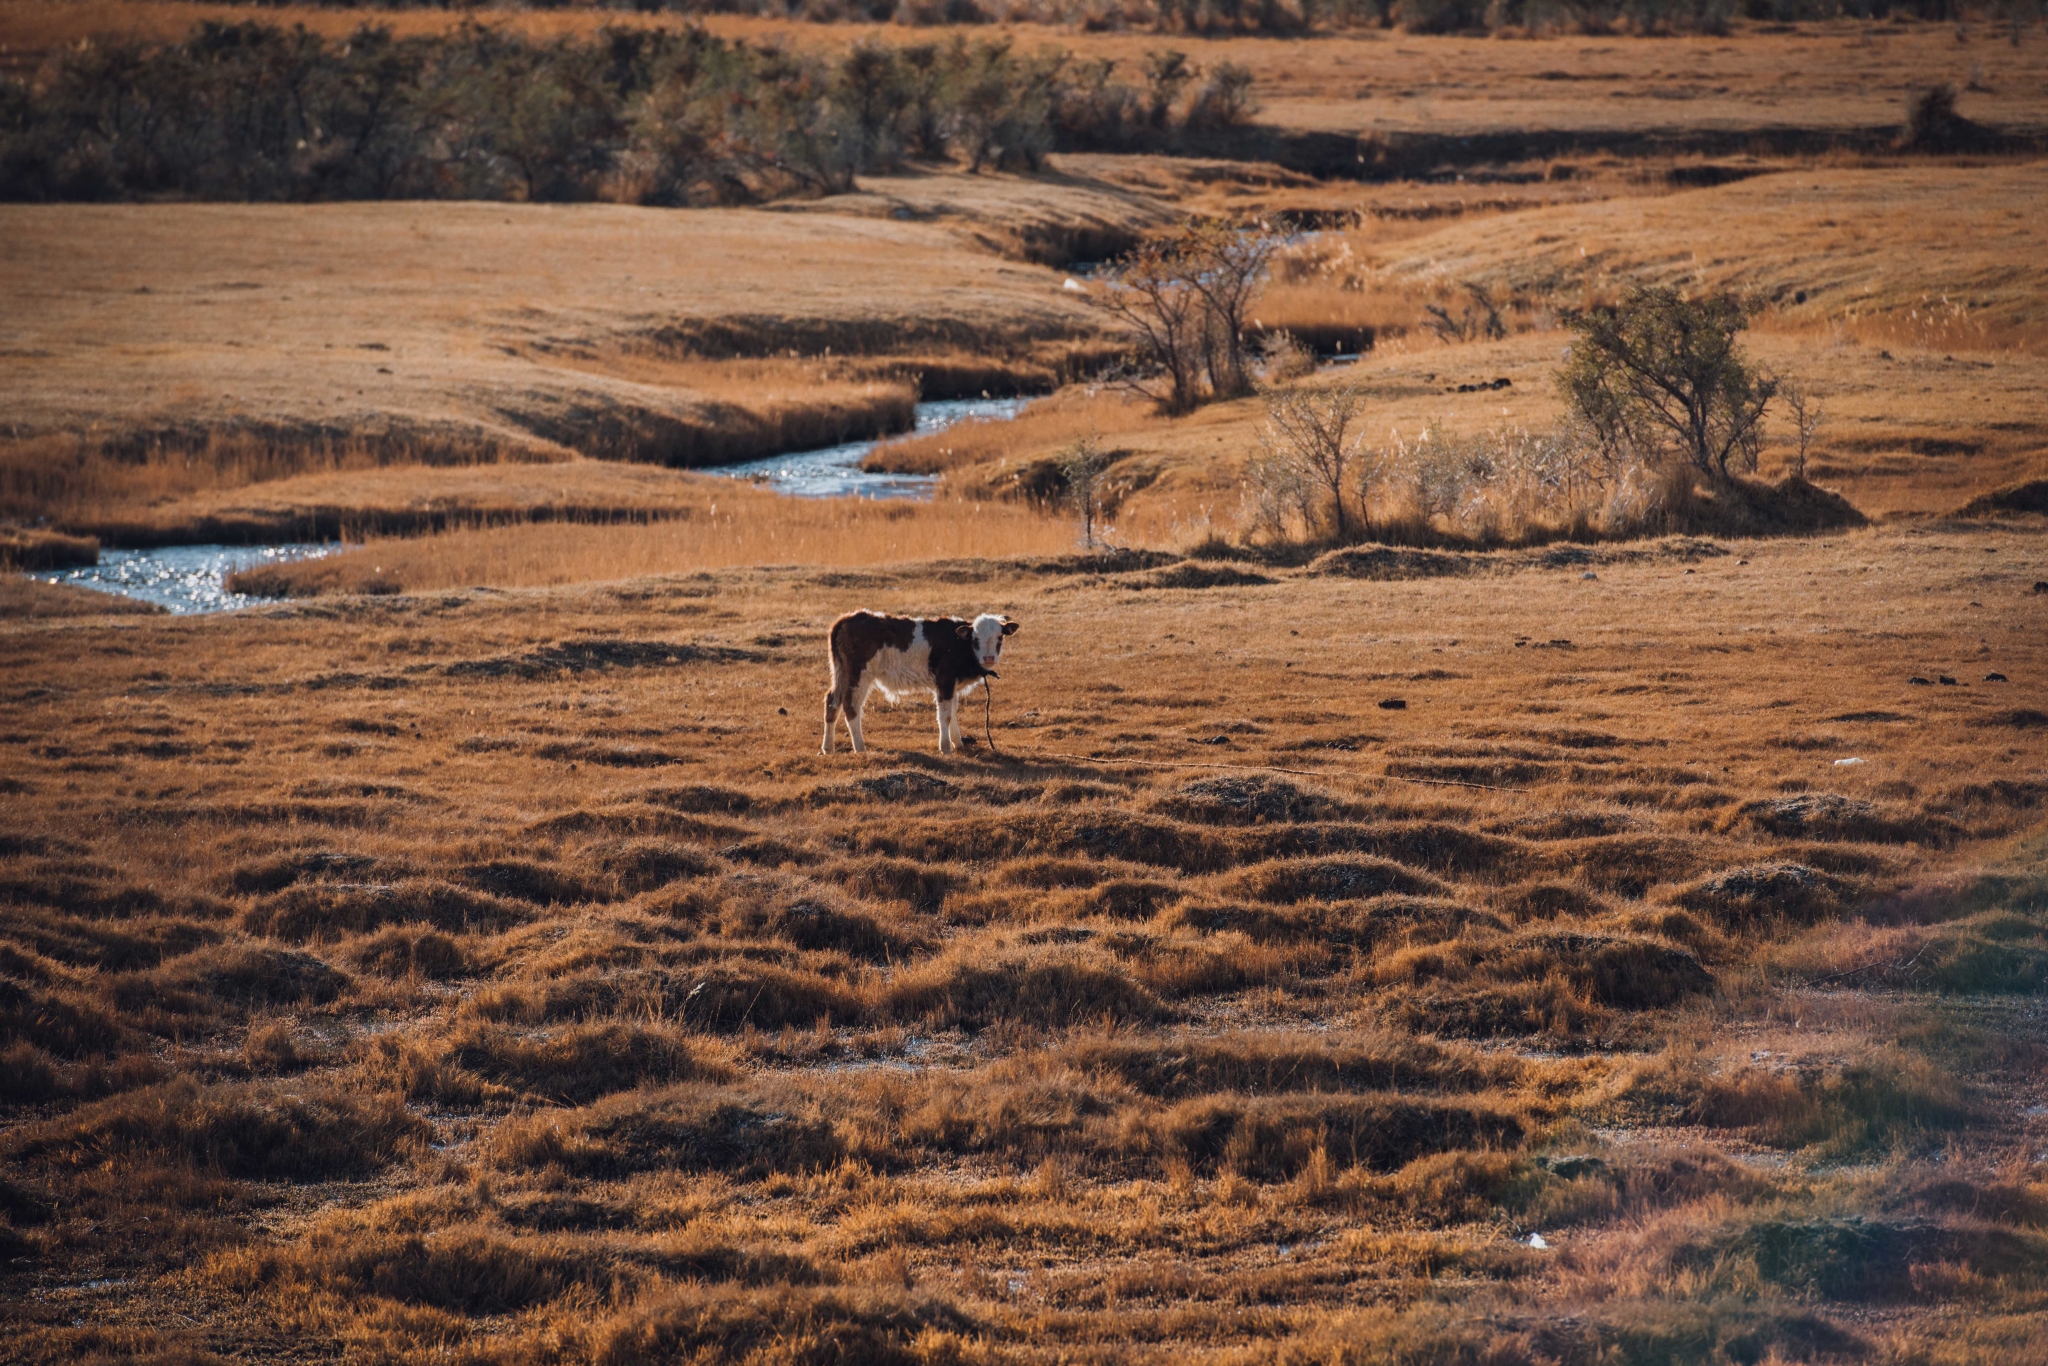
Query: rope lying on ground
(988, 729)
(987, 711)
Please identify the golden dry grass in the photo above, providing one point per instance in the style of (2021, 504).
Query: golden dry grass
(362, 499)
(343, 333)
(1909, 433)
(1918, 333)
(22, 597)
(477, 960)
(1933, 257)
(503, 974)
(702, 524)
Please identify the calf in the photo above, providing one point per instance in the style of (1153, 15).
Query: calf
(902, 655)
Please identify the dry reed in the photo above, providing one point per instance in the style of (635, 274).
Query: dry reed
(733, 526)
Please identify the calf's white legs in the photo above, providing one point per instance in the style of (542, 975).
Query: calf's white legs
(855, 707)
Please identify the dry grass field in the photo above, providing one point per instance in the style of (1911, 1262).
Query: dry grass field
(1919, 326)
(488, 975)
(159, 351)
(1579, 952)
(1907, 299)
(716, 525)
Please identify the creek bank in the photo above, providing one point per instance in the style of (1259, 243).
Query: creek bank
(185, 579)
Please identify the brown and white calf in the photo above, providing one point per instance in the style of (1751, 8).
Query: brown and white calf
(944, 656)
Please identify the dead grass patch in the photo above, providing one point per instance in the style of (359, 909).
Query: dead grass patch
(884, 1325)
(693, 1128)
(853, 1007)
(577, 1064)
(325, 912)
(1790, 892)
(1286, 882)
(1274, 1138)
(259, 1132)
(739, 526)
(1049, 987)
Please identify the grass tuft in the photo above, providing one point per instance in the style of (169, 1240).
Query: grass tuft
(252, 1131)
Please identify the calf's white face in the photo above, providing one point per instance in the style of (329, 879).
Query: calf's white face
(986, 635)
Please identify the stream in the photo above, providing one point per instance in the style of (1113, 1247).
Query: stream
(187, 578)
(183, 578)
(835, 472)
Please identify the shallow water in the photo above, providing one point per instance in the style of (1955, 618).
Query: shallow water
(183, 578)
(187, 578)
(834, 472)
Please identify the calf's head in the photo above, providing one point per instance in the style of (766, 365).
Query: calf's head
(986, 635)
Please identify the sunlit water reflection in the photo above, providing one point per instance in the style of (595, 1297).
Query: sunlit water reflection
(183, 578)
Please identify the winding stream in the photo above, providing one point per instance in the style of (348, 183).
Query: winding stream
(187, 579)
(834, 472)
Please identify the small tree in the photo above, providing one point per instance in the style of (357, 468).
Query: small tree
(1229, 267)
(1081, 464)
(1152, 293)
(1166, 74)
(1313, 438)
(1184, 298)
(1807, 416)
(1662, 378)
(1437, 473)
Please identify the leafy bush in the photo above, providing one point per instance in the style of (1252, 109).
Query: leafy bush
(247, 111)
(1660, 379)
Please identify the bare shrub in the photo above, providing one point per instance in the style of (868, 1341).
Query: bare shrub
(1807, 417)
(1183, 299)
(1282, 356)
(1309, 458)
(1152, 296)
(1480, 319)
(1231, 264)
(1934, 125)
(1223, 101)
(1081, 465)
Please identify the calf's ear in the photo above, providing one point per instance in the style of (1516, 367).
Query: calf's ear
(964, 631)
(1009, 628)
